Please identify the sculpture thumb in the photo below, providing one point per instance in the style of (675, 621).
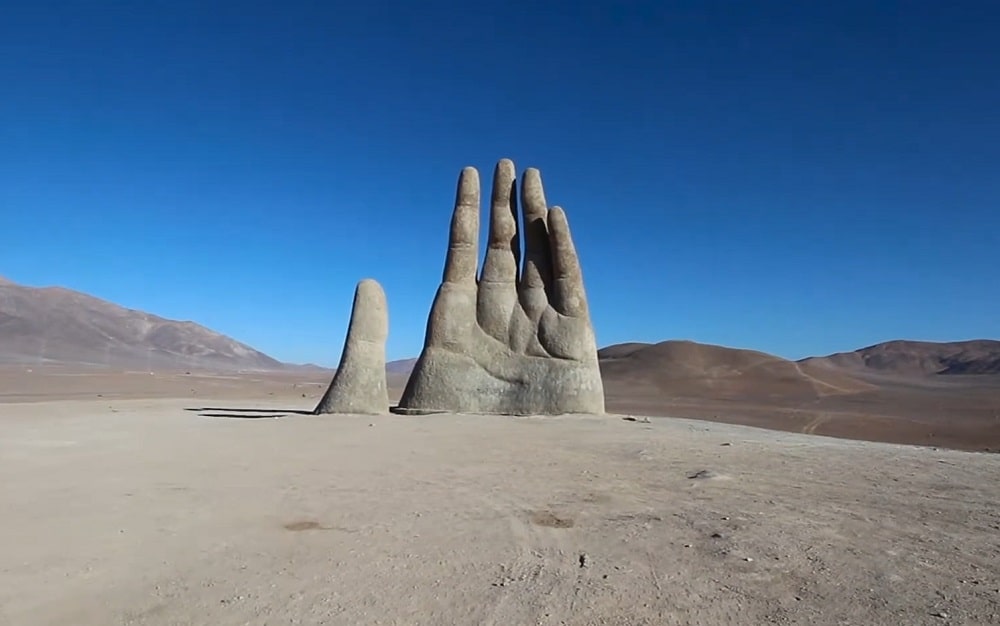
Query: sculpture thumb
(359, 385)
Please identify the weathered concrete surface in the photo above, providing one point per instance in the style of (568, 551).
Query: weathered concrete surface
(359, 386)
(512, 340)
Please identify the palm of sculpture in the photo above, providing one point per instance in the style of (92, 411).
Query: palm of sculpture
(509, 341)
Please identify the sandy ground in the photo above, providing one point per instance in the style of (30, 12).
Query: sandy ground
(137, 511)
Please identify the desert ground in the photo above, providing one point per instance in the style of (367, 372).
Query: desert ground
(138, 498)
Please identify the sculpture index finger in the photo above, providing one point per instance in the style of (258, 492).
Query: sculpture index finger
(463, 242)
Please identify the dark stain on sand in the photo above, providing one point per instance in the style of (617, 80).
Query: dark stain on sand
(304, 525)
(549, 519)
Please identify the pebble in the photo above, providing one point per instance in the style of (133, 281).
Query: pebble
(940, 614)
(748, 559)
(584, 560)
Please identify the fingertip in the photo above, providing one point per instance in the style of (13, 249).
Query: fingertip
(503, 179)
(564, 259)
(468, 187)
(559, 228)
(532, 193)
(370, 313)
(557, 216)
(370, 288)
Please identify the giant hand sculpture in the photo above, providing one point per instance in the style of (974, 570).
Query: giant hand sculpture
(511, 341)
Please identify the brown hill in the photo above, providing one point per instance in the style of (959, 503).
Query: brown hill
(688, 369)
(839, 396)
(53, 324)
(919, 358)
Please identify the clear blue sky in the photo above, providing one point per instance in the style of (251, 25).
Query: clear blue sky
(798, 178)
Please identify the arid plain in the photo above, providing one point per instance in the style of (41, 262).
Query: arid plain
(203, 498)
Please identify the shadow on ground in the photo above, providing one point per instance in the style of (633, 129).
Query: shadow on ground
(246, 413)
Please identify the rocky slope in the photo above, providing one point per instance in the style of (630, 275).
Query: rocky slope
(53, 324)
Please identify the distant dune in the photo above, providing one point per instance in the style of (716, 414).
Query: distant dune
(919, 358)
(402, 366)
(905, 392)
(689, 369)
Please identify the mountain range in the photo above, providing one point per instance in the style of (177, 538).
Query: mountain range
(58, 325)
